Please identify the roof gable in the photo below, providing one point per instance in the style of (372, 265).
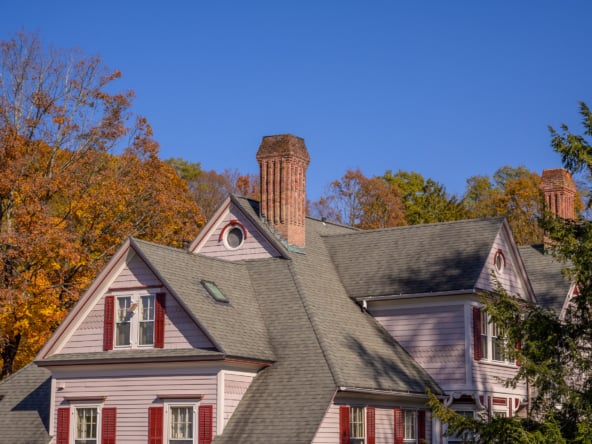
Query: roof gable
(417, 259)
(504, 267)
(241, 214)
(236, 328)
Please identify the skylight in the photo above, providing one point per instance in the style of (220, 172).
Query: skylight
(214, 291)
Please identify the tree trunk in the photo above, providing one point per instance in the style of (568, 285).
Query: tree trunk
(7, 354)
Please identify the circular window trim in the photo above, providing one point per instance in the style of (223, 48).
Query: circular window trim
(499, 261)
(226, 231)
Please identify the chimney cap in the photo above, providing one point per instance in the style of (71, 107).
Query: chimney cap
(556, 178)
(283, 145)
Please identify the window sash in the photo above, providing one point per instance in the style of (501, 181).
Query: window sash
(181, 424)
(357, 425)
(146, 323)
(123, 321)
(410, 425)
(85, 430)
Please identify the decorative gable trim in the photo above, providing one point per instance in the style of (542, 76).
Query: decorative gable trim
(84, 304)
(240, 214)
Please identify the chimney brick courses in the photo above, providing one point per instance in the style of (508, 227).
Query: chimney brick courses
(283, 160)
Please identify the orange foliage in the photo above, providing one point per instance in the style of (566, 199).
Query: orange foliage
(66, 200)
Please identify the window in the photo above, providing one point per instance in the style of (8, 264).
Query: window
(214, 291)
(134, 320)
(85, 429)
(178, 422)
(86, 423)
(410, 426)
(489, 339)
(357, 425)
(181, 424)
(233, 235)
(499, 261)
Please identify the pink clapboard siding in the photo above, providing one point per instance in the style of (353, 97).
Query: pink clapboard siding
(235, 386)
(328, 431)
(180, 330)
(434, 336)
(509, 278)
(254, 247)
(133, 395)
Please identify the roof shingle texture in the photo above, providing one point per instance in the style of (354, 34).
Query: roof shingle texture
(415, 259)
(237, 327)
(550, 286)
(24, 406)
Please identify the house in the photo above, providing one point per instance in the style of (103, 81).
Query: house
(275, 327)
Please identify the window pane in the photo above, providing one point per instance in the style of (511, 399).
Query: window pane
(484, 328)
(357, 424)
(181, 425)
(146, 327)
(122, 327)
(86, 426)
(410, 425)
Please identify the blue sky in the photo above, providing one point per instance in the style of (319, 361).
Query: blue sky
(449, 89)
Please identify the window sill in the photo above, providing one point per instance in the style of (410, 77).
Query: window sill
(498, 364)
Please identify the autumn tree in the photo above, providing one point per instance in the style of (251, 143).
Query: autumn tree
(80, 173)
(425, 200)
(361, 202)
(209, 188)
(513, 193)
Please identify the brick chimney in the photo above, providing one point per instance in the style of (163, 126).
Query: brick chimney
(283, 160)
(560, 192)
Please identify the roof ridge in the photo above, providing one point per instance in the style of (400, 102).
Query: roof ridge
(498, 219)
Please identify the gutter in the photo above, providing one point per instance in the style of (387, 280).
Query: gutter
(416, 295)
(365, 391)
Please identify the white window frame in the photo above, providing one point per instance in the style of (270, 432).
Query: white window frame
(168, 406)
(74, 419)
(134, 318)
(410, 433)
(489, 336)
(361, 411)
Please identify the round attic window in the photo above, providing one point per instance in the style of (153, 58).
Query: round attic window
(234, 236)
(499, 261)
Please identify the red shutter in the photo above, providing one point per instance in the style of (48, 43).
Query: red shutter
(108, 322)
(159, 321)
(63, 432)
(343, 425)
(206, 418)
(399, 426)
(370, 425)
(108, 425)
(518, 347)
(477, 344)
(421, 425)
(155, 425)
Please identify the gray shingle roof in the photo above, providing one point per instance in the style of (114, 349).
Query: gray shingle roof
(415, 259)
(237, 327)
(24, 406)
(323, 342)
(545, 273)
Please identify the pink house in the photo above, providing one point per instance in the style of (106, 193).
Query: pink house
(275, 327)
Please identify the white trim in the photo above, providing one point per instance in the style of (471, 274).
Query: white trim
(220, 402)
(170, 403)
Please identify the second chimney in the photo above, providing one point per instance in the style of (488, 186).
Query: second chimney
(560, 192)
(283, 160)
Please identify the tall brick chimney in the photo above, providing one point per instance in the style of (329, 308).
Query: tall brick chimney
(560, 192)
(283, 160)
